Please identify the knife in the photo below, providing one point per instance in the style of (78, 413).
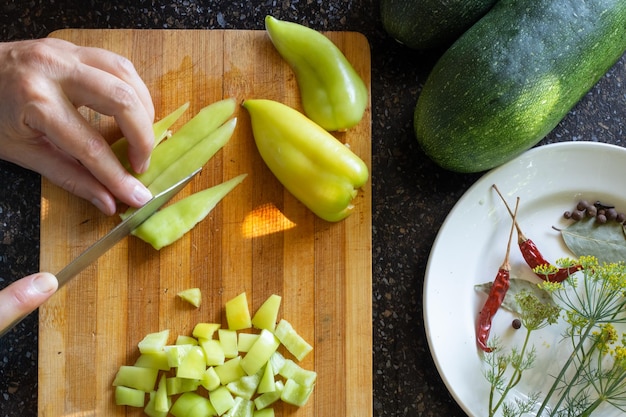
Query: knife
(119, 232)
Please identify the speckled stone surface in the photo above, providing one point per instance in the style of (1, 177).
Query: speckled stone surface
(411, 196)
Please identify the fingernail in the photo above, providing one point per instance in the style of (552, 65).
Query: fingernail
(101, 206)
(145, 166)
(141, 194)
(45, 283)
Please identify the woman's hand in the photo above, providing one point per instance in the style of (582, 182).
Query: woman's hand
(24, 296)
(42, 84)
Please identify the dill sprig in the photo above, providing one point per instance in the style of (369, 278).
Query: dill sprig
(535, 315)
(591, 302)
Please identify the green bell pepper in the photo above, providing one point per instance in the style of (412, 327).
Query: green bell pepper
(314, 166)
(333, 94)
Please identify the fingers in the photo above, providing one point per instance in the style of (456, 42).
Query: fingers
(72, 134)
(122, 68)
(80, 77)
(42, 83)
(66, 172)
(24, 296)
(109, 84)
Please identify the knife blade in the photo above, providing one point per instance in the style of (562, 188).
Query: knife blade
(120, 231)
(109, 240)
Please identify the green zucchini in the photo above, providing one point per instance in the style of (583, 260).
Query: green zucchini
(424, 24)
(513, 76)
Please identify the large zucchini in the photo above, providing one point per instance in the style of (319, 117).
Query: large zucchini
(509, 80)
(423, 24)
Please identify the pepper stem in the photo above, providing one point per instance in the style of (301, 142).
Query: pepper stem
(522, 237)
(505, 263)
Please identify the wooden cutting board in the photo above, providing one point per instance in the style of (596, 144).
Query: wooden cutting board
(259, 239)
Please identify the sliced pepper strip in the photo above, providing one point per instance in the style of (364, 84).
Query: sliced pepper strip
(160, 129)
(333, 94)
(319, 170)
(169, 224)
(207, 120)
(194, 158)
(191, 160)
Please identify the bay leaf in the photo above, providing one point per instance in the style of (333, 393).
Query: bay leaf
(516, 286)
(605, 241)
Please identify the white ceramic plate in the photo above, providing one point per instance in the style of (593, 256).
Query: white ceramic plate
(470, 248)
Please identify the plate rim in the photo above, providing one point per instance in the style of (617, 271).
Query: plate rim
(595, 148)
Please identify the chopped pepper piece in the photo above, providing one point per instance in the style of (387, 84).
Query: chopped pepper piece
(314, 166)
(333, 94)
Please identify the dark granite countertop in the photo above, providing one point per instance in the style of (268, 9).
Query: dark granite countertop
(411, 196)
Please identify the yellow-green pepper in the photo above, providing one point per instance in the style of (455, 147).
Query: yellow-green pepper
(160, 129)
(314, 166)
(169, 224)
(333, 94)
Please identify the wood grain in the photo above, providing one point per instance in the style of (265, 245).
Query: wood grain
(259, 239)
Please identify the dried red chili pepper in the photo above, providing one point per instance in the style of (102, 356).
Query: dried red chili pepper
(492, 305)
(533, 256)
(496, 295)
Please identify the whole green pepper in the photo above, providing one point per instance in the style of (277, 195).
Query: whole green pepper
(319, 170)
(333, 94)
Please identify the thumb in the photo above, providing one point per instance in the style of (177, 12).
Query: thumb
(24, 296)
